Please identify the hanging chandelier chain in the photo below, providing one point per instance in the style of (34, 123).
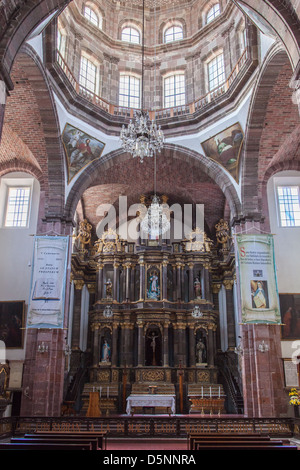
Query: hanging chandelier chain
(142, 138)
(143, 55)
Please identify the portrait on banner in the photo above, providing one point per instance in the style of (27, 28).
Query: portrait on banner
(225, 148)
(257, 279)
(81, 149)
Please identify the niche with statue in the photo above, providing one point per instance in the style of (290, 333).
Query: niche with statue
(105, 347)
(153, 346)
(201, 347)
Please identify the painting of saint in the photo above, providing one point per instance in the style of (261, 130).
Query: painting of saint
(290, 315)
(81, 149)
(225, 148)
(259, 293)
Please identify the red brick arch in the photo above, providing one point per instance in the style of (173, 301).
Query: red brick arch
(256, 131)
(43, 126)
(209, 167)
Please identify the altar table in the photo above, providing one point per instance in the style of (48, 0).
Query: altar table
(167, 401)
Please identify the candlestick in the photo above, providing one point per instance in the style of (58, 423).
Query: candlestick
(202, 391)
(210, 392)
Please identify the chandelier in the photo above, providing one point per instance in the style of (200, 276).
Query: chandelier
(156, 221)
(142, 138)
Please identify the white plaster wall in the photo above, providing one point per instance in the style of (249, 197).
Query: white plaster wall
(286, 239)
(16, 245)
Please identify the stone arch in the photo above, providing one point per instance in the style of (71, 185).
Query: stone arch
(209, 167)
(250, 178)
(53, 171)
(278, 17)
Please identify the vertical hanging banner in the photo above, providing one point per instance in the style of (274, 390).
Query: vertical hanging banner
(47, 292)
(257, 276)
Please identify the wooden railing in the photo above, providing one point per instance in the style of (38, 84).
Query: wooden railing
(164, 113)
(127, 426)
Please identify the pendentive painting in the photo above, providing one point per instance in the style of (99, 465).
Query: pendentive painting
(225, 148)
(81, 149)
(290, 315)
(12, 323)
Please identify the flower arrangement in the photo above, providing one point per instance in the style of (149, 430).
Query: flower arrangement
(294, 397)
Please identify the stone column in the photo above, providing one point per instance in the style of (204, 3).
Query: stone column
(140, 361)
(116, 283)
(262, 372)
(191, 281)
(210, 346)
(192, 345)
(132, 283)
(207, 291)
(142, 278)
(215, 291)
(127, 267)
(96, 358)
(174, 284)
(179, 280)
(181, 343)
(165, 279)
(114, 355)
(166, 344)
(78, 283)
(127, 344)
(100, 282)
(228, 283)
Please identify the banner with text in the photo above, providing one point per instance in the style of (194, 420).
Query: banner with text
(257, 276)
(47, 293)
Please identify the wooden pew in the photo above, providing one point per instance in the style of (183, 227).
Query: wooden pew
(221, 436)
(55, 440)
(232, 442)
(101, 437)
(230, 446)
(28, 445)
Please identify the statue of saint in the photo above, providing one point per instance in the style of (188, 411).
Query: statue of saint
(197, 288)
(105, 356)
(153, 337)
(108, 289)
(200, 351)
(153, 291)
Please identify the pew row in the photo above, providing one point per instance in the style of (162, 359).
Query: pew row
(238, 441)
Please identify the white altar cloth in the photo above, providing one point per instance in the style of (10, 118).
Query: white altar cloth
(167, 401)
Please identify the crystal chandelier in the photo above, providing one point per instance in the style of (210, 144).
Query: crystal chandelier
(142, 138)
(156, 221)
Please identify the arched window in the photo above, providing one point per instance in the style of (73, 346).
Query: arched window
(213, 13)
(130, 34)
(174, 90)
(174, 33)
(216, 72)
(129, 91)
(92, 16)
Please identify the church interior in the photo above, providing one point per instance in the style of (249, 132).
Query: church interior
(150, 217)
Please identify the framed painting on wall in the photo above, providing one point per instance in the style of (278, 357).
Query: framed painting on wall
(225, 148)
(290, 315)
(81, 149)
(12, 323)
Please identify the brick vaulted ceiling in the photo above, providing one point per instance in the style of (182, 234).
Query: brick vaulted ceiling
(182, 182)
